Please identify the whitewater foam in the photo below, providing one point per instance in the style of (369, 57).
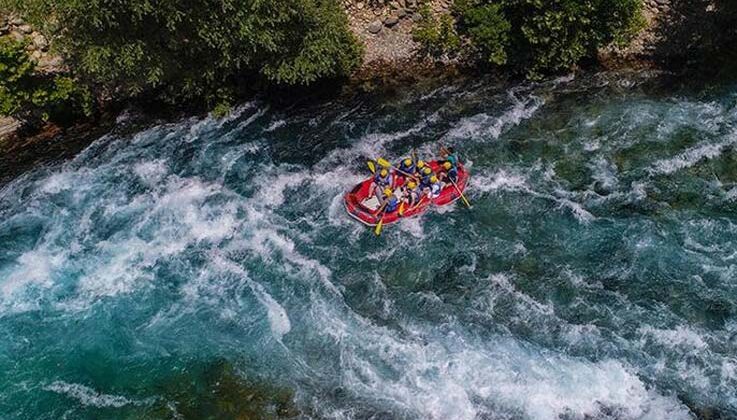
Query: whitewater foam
(89, 397)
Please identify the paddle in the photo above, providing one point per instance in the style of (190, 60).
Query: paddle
(419, 203)
(460, 192)
(401, 209)
(377, 230)
(372, 166)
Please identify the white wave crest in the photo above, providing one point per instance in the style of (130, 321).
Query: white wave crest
(89, 397)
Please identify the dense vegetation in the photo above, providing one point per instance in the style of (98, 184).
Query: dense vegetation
(31, 96)
(699, 32)
(198, 51)
(536, 37)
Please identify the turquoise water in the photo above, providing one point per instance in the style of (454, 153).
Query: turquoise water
(206, 267)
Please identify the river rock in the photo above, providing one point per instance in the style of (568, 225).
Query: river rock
(16, 21)
(401, 13)
(25, 29)
(391, 21)
(375, 27)
(416, 17)
(17, 36)
(40, 42)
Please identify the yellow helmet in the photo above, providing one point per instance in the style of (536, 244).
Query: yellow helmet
(420, 164)
(427, 171)
(447, 165)
(388, 191)
(412, 185)
(433, 179)
(384, 172)
(407, 162)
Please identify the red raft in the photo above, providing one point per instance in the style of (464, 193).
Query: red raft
(367, 212)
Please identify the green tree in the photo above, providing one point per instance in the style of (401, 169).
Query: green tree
(488, 29)
(34, 97)
(200, 50)
(437, 36)
(544, 36)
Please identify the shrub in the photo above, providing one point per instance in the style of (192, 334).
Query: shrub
(195, 50)
(437, 36)
(538, 37)
(33, 97)
(488, 29)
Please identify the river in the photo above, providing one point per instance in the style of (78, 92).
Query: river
(207, 267)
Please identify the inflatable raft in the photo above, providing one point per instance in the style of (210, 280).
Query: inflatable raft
(366, 210)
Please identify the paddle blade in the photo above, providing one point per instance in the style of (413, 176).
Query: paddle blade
(383, 162)
(401, 208)
(372, 166)
(377, 230)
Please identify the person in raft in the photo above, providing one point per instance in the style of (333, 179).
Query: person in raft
(419, 167)
(389, 201)
(407, 167)
(412, 194)
(448, 154)
(425, 176)
(434, 187)
(382, 179)
(448, 172)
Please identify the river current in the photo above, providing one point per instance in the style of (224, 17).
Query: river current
(207, 267)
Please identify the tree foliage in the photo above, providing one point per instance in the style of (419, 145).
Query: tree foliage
(31, 96)
(542, 36)
(437, 36)
(195, 49)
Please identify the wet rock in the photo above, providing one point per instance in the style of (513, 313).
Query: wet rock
(391, 21)
(375, 27)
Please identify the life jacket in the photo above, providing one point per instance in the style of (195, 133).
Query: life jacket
(391, 204)
(383, 180)
(425, 181)
(435, 189)
(453, 159)
(453, 174)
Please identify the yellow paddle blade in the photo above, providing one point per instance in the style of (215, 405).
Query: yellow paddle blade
(401, 208)
(377, 231)
(371, 166)
(383, 162)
